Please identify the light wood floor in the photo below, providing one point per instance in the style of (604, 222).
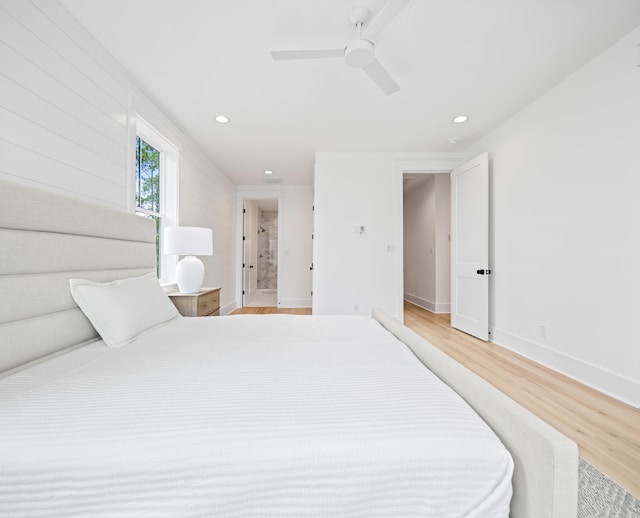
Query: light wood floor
(606, 430)
(270, 311)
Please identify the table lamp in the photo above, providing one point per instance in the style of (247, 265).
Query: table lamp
(189, 242)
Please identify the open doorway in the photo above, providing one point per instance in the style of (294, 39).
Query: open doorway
(260, 253)
(427, 240)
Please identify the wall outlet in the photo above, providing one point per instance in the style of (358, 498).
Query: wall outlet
(543, 330)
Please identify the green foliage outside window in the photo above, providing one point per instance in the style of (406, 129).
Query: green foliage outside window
(147, 176)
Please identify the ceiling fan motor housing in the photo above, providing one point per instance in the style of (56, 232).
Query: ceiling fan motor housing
(359, 53)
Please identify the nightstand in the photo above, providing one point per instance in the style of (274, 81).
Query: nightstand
(203, 304)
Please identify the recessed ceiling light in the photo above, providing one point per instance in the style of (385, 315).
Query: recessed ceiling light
(452, 141)
(268, 172)
(222, 119)
(460, 119)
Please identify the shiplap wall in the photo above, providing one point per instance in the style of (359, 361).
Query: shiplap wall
(63, 119)
(208, 199)
(67, 124)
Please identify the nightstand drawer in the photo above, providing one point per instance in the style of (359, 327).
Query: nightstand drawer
(203, 304)
(208, 303)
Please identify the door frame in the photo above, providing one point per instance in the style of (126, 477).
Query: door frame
(241, 197)
(429, 163)
(246, 273)
(420, 173)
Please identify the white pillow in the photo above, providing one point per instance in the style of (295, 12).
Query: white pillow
(121, 310)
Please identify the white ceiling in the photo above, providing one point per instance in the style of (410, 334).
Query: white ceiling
(483, 58)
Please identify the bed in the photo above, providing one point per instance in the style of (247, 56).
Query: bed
(246, 415)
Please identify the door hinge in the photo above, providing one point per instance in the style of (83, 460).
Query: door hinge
(243, 238)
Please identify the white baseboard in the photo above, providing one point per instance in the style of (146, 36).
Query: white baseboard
(228, 308)
(434, 307)
(287, 303)
(602, 380)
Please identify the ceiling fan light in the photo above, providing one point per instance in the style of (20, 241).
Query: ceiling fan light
(359, 53)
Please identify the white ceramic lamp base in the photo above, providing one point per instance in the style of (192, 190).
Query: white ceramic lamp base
(190, 274)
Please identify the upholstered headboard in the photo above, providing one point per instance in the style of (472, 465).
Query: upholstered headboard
(46, 239)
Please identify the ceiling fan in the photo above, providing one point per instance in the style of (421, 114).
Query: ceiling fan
(360, 52)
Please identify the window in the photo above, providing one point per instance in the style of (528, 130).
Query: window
(156, 188)
(148, 201)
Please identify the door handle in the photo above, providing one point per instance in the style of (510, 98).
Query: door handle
(483, 272)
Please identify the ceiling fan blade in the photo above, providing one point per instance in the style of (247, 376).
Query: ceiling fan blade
(307, 54)
(375, 27)
(381, 77)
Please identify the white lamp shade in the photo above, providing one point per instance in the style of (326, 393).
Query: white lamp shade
(188, 241)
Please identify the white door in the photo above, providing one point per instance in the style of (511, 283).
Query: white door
(470, 247)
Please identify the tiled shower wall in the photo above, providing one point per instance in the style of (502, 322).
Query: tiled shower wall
(267, 275)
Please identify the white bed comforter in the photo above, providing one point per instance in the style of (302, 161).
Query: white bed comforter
(248, 415)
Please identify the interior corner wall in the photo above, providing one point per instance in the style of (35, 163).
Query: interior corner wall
(565, 215)
(207, 199)
(67, 124)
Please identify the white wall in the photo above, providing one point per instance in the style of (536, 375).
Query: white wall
(565, 244)
(426, 208)
(353, 272)
(352, 189)
(67, 124)
(295, 227)
(565, 218)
